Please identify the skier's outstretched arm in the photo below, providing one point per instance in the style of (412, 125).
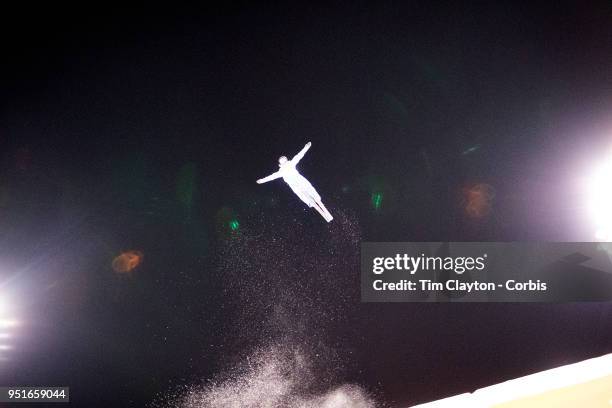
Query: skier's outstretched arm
(296, 159)
(271, 177)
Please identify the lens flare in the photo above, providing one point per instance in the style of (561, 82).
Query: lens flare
(377, 200)
(127, 261)
(478, 200)
(234, 225)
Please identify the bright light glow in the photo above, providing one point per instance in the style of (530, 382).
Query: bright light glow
(600, 201)
(8, 323)
(4, 305)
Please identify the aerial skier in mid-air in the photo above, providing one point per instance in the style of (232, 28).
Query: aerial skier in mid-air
(298, 183)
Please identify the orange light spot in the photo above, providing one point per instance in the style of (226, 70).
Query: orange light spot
(478, 200)
(127, 261)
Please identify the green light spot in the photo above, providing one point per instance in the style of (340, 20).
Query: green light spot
(377, 200)
(234, 225)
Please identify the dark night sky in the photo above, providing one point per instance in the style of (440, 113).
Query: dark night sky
(107, 116)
